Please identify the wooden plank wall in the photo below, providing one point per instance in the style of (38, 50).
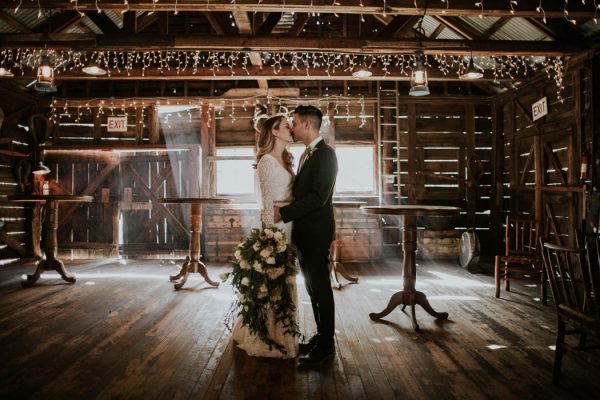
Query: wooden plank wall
(541, 161)
(426, 146)
(15, 149)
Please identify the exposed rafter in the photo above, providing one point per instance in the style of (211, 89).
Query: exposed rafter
(58, 22)
(13, 22)
(242, 20)
(497, 8)
(299, 23)
(103, 22)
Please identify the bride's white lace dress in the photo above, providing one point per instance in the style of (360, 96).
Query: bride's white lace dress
(275, 186)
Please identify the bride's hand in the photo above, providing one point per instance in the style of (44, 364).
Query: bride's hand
(276, 214)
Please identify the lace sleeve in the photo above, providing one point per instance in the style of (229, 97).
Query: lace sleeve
(265, 187)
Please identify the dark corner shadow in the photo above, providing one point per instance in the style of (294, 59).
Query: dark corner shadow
(525, 299)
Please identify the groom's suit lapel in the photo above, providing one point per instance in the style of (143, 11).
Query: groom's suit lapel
(309, 160)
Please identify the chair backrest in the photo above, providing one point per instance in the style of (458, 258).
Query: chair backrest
(521, 236)
(591, 242)
(570, 281)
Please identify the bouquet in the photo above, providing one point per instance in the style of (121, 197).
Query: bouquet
(263, 274)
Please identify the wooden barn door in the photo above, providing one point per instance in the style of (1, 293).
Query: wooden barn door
(148, 227)
(86, 229)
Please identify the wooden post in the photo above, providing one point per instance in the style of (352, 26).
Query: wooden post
(139, 124)
(153, 124)
(471, 183)
(496, 212)
(97, 127)
(412, 146)
(205, 150)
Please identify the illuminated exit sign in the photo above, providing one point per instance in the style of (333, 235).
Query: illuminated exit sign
(539, 109)
(117, 124)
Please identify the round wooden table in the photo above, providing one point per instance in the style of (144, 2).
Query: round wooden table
(409, 295)
(192, 262)
(51, 226)
(335, 267)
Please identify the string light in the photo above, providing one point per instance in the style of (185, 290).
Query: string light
(195, 62)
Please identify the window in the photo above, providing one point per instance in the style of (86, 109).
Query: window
(356, 172)
(235, 176)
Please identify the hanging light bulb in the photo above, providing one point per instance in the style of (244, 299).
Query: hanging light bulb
(471, 72)
(418, 78)
(45, 76)
(94, 69)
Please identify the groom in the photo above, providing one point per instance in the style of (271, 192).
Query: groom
(314, 228)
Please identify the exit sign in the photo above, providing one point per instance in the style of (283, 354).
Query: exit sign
(539, 109)
(117, 124)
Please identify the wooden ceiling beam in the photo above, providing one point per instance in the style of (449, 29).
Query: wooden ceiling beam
(290, 44)
(215, 23)
(242, 20)
(493, 8)
(103, 22)
(14, 23)
(495, 27)
(269, 24)
(145, 20)
(557, 29)
(58, 22)
(458, 26)
(399, 25)
(253, 73)
(437, 31)
(299, 24)
(130, 22)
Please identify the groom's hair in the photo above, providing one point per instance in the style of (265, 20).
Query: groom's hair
(311, 113)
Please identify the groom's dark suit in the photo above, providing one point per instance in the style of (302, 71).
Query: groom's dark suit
(314, 230)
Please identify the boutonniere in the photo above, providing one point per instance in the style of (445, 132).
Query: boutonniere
(311, 151)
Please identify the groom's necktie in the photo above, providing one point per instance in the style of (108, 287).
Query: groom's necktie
(303, 157)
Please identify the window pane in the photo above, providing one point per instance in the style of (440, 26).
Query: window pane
(355, 169)
(235, 177)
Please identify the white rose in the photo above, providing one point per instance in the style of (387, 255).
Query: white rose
(265, 253)
(270, 260)
(244, 265)
(241, 297)
(269, 233)
(245, 281)
(238, 255)
(261, 295)
(281, 248)
(278, 236)
(246, 309)
(263, 288)
(256, 246)
(258, 267)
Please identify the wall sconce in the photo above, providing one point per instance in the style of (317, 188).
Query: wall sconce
(45, 76)
(94, 69)
(471, 72)
(41, 169)
(5, 73)
(418, 78)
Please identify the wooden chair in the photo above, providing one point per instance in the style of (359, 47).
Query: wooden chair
(521, 260)
(575, 297)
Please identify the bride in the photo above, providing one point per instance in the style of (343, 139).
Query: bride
(275, 179)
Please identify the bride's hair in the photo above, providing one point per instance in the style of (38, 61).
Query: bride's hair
(265, 140)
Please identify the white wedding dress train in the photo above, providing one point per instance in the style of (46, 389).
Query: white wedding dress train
(274, 187)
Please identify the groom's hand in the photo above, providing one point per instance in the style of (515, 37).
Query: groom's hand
(276, 214)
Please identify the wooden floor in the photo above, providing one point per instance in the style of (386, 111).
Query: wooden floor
(122, 332)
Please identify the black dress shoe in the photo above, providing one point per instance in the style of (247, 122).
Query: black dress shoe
(317, 356)
(305, 348)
